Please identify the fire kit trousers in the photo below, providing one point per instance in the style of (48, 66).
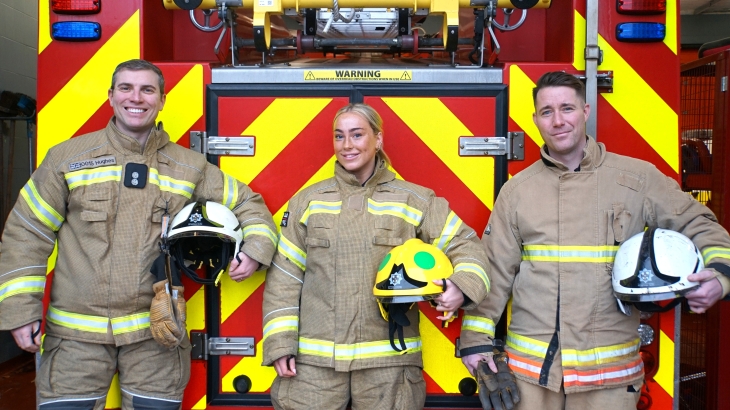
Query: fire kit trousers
(536, 397)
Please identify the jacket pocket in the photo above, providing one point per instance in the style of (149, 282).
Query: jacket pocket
(93, 216)
(317, 242)
(412, 393)
(385, 241)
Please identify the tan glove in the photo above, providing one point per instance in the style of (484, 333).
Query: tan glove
(168, 315)
(498, 391)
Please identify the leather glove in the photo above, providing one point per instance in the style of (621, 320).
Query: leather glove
(498, 391)
(168, 315)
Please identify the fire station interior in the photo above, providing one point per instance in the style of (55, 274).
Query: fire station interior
(485, 38)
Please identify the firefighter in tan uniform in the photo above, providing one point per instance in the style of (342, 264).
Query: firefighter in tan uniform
(323, 330)
(101, 197)
(551, 240)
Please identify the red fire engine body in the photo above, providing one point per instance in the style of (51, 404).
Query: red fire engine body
(255, 87)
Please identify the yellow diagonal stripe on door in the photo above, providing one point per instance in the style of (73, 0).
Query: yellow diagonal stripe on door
(274, 129)
(261, 376)
(636, 101)
(184, 105)
(44, 25)
(521, 106)
(440, 130)
(670, 38)
(79, 99)
(233, 293)
(665, 374)
(438, 357)
(196, 311)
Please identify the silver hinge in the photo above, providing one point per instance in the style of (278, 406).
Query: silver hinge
(513, 146)
(723, 83)
(202, 346)
(604, 81)
(216, 145)
(593, 52)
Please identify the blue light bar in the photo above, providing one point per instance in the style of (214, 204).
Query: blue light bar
(640, 32)
(76, 31)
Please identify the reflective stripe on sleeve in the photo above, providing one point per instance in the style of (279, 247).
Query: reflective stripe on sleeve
(76, 321)
(600, 355)
(453, 223)
(168, 184)
(400, 210)
(262, 230)
(24, 284)
(41, 209)
(527, 345)
(476, 269)
(230, 191)
(564, 254)
(478, 324)
(320, 207)
(92, 176)
(715, 252)
(130, 323)
(281, 324)
(292, 253)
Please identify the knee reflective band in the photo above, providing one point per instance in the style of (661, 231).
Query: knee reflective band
(147, 403)
(80, 404)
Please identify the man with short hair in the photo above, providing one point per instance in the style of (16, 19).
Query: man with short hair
(103, 198)
(551, 238)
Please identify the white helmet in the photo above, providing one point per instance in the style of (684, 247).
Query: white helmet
(206, 234)
(654, 265)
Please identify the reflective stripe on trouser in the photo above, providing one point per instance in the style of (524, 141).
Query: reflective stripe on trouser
(72, 370)
(382, 388)
(535, 397)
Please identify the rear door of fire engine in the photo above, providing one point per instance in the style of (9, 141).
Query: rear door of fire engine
(438, 132)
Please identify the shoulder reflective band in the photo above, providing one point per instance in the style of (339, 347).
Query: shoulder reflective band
(640, 32)
(76, 31)
(400, 210)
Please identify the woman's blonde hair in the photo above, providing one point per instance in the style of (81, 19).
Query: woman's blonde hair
(373, 119)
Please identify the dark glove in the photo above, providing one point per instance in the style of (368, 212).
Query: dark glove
(158, 269)
(498, 391)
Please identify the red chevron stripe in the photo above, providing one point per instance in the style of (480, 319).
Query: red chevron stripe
(246, 320)
(431, 386)
(301, 159)
(56, 67)
(416, 163)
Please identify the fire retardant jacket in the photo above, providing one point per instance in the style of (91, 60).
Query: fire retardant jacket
(318, 301)
(551, 241)
(106, 219)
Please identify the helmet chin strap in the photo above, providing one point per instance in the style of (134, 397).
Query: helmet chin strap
(397, 320)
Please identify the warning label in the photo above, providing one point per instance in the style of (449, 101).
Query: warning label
(358, 75)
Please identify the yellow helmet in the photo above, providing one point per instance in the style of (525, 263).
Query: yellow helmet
(406, 276)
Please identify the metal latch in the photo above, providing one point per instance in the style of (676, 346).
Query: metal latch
(604, 81)
(217, 145)
(513, 146)
(202, 346)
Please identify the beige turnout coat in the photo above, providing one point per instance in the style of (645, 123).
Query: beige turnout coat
(108, 233)
(318, 301)
(551, 240)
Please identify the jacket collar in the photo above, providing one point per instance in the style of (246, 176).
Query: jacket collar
(381, 175)
(593, 155)
(158, 138)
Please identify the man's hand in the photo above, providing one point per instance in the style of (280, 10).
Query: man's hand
(449, 301)
(286, 366)
(242, 269)
(497, 390)
(472, 361)
(24, 337)
(709, 292)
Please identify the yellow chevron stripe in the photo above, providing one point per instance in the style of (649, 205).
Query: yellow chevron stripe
(665, 374)
(202, 404)
(273, 133)
(261, 376)
(233, 293)
(438, 357)
(79, 99)
(44, 25)
(636, 101)
(184, 104)
(440, 131)
(114, 396)
(670, 39)
(521, 106)
(52, 259)
(196, 311)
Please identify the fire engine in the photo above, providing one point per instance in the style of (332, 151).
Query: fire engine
(254, 85)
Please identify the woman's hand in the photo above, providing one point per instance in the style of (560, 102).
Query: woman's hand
(286, 366)
(450, 300)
